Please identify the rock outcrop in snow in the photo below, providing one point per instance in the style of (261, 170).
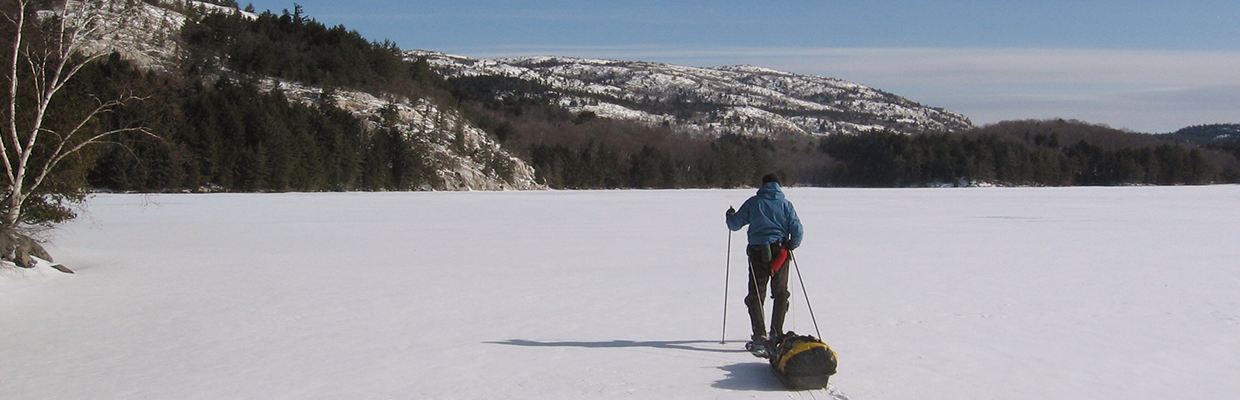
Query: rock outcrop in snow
(737, 99)
(464, 156)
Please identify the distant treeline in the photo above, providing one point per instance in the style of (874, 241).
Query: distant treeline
(1232, 147)
(1205, 134)
(890, 159)
(583, 151)
(593, 157)
(1221, 137)
(218, 131)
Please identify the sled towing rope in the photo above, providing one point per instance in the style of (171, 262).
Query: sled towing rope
(804, 292)
(803, 362)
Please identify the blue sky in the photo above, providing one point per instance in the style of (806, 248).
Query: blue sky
(1148, 66)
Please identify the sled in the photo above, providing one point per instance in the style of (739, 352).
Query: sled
(803, 362)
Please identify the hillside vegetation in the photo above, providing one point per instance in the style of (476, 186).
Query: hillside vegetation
(224, 126)
(1037, 153)
(235, 116)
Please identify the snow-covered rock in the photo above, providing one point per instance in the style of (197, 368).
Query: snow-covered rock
(735, 99)
(464, 156)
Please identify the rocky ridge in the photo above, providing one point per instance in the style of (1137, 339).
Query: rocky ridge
(735, 99)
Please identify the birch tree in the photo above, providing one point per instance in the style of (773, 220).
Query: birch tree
(47, 49)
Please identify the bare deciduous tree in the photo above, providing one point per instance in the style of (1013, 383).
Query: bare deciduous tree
(48, 48)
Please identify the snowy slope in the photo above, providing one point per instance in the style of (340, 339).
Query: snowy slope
(148, 34)
(739, 99)
(464, 157)
(1066, 293)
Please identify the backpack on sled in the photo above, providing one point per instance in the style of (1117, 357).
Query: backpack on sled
(803, 362)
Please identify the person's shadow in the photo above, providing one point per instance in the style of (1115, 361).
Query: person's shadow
(747, 376)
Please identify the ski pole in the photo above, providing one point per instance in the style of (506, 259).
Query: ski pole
(726, 279)
(805, 292)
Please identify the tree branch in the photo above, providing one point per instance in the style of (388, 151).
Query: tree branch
(60, 153)
(53, 62)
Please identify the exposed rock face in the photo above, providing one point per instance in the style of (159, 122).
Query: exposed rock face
(737, 99)
(463, 156)
(18, 249)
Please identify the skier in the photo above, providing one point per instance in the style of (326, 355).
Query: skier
(774, 229)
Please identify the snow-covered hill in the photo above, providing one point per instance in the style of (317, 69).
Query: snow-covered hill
(465, 157)
(1206, 134)
(737, 99)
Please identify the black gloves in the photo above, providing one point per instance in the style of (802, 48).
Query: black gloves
(730, 212)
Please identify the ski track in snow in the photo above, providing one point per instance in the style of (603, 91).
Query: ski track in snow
(1009, 293)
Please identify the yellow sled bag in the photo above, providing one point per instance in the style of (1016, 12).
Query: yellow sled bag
(803, 362)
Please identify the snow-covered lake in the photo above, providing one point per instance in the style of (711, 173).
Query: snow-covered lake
(1047, 293)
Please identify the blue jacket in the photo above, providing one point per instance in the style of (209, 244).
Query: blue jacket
(770, 217)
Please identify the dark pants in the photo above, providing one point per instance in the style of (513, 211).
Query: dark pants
(759, 276)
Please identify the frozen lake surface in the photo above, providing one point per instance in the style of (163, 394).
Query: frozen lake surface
(1030, 293)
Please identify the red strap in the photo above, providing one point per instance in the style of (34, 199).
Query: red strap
(777, 260)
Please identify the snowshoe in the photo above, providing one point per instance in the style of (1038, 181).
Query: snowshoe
(759, 348)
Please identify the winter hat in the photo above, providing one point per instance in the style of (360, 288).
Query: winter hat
(770, 178)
